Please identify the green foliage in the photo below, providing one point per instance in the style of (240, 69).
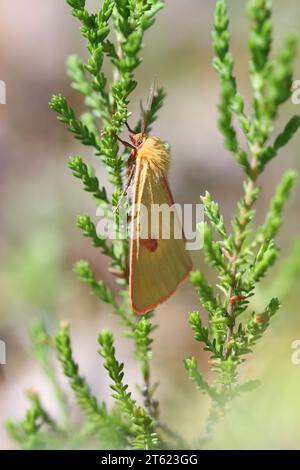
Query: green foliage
(95, 412)
(82, 392)
(43, 345)
(90, 182)
(223, 64)
(76, 126)
(273, 221)
(143, 425)
(194, 374)
(242, 256)
(85, 274)
(143, 342)
(27, 432)
(107, 100)
(114, 34)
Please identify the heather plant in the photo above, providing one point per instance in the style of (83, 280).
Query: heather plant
(240, 252)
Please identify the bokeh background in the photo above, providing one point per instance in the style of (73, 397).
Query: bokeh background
(40, 199)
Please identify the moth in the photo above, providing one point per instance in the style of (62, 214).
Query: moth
(157, 263)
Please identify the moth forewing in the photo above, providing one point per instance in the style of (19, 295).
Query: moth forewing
(158, 263)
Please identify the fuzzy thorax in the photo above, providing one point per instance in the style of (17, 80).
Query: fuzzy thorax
(154, 152)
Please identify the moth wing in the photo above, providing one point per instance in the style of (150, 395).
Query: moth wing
(155, 271)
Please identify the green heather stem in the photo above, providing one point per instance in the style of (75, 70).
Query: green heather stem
(243, 256)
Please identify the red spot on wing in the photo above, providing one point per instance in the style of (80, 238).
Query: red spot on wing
(150, 244)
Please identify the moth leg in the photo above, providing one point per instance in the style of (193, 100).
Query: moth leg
(126, 144)
(124, 192)
(117, 273)
(130, 163)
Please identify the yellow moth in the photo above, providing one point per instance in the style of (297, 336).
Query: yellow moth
(157, 264)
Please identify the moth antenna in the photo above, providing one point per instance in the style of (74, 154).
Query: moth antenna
(142, 113)
(129, 128)
(147, 113)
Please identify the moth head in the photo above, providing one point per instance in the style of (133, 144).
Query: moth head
(138, 139)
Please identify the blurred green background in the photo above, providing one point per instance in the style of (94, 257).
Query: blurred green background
(40, 199)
